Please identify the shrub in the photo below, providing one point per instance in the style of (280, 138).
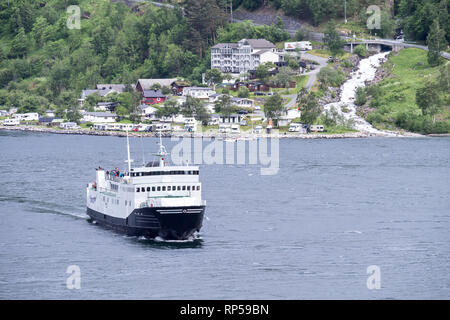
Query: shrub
(361, 97)
(360, 50)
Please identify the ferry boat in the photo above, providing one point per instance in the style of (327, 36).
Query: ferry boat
(155, 200)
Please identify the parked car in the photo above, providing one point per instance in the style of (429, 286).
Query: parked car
(257, 93)
(257, 108)
(243, 112)
(243, 123)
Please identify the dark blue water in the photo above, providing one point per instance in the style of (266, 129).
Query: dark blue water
(335, 208)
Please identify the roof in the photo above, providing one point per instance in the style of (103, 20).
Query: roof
(116, 87)
(260, 52)
(101, 92)
(153, 94)
(100, 114)
(223, 45)
(144, 107)
(260, 43)
(46, 119)
(198, 88)
(147, 83)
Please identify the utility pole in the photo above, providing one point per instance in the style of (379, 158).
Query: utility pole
(345, 11)
(231, 10)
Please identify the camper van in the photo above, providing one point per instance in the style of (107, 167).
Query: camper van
(235, 128)
(224, 128)
(162, 127)
(258, 129)
(69, 125)
(316, 128)
(297, 127)
(11, 122)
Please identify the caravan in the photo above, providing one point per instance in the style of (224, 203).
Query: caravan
(297, 127)
(11, 122)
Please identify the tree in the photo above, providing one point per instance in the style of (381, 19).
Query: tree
(387, 25)
(329, 76)
(299, 35)
(263, 71)
(243, 92)
(40, 31)
(284, 77)
(274, 107)
(428, 100)
(170, 109)
(190, 105)
(19, 44)
(436, 43)
(310, 110)
(214, 76)
(360, 50)
(122, 112)
(223, 105)
(333, 40)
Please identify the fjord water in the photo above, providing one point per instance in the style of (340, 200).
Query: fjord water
(334, 208)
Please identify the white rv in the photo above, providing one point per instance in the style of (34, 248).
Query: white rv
(11, 122)
(297, 127)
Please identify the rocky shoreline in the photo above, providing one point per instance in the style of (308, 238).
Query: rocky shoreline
(207, 134)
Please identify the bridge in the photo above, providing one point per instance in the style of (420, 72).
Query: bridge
(386, 44)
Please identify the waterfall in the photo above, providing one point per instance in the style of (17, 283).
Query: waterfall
(365, 72)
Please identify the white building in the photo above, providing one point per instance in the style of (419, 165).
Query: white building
(198, 92)
(243, 56)
(32, 116)
(147, 112)
(99, 117)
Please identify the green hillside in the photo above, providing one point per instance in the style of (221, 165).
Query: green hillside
(394, 103)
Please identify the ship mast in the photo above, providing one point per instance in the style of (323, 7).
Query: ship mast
(128, 153)
(162, 151)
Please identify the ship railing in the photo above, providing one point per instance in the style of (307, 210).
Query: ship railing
(117, 179)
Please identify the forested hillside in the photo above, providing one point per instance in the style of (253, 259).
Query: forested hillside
(44, 64)
(413, 16)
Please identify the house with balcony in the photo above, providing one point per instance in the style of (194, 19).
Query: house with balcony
(243, 56)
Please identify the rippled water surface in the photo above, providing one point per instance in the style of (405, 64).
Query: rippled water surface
(334, 208)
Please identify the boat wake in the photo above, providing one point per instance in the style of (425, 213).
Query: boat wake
(45, 207)
(194, 241)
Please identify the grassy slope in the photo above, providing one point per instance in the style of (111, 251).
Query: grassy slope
(399, 91)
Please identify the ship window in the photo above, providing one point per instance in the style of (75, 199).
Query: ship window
(193, 188)
(153, 189)
(138, 189)
(198, 188)
(169, 188)
(188, 188)
(179, 188)
(148, 189)
(196, 173)
(126, 202)
(174, 188)
(140, 174)
(184, 188)
(143, 189)
(159, 188)
(164, 188)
